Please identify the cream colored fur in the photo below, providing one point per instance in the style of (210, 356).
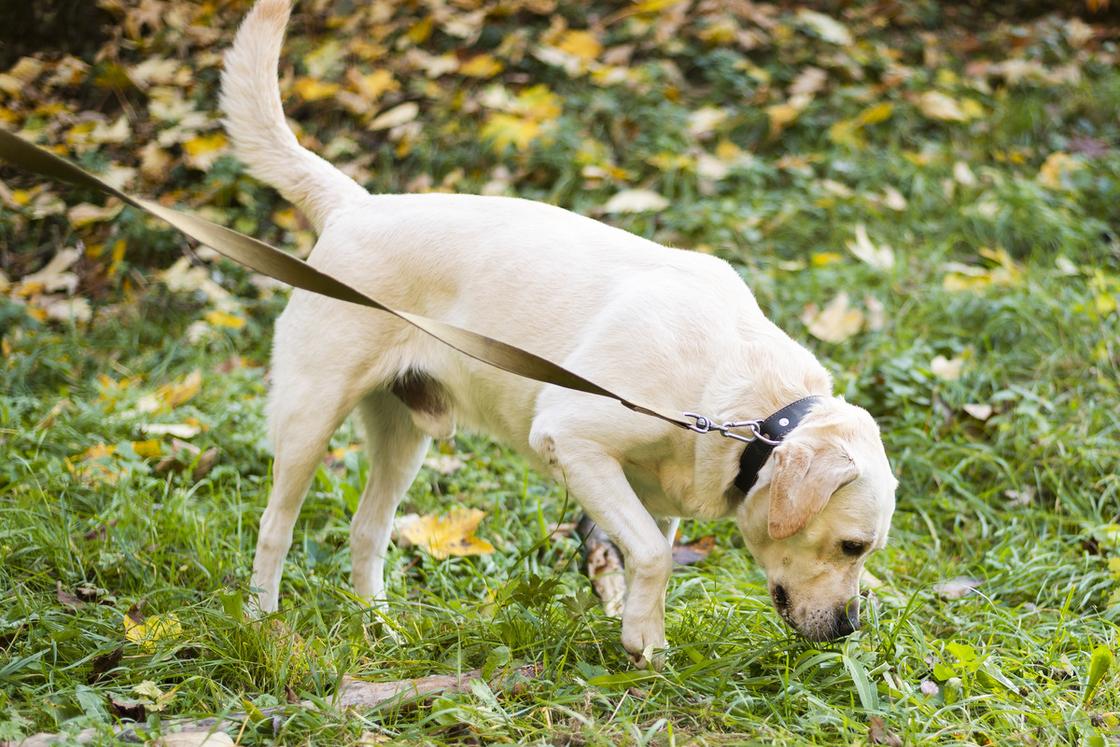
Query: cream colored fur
(664, 326)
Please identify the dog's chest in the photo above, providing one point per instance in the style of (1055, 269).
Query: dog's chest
(665, 488)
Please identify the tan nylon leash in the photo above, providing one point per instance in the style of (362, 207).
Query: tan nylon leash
(277, 264)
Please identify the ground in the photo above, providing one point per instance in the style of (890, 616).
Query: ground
(926, 199)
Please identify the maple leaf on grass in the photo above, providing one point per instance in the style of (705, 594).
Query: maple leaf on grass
(443, 536)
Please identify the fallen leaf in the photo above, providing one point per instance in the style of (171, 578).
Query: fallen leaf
(1055, 170)
(836, 322)
(149, 449)
(224, 319)
(1019, 498)
(395, 117)
(879, 257)
(314, 89)
(695, 551)
(957, 587)
(980, 411)
(178, 430)
(878, 733)
(450, 534)
(206, 463)
(581, 44)
(808, 82)
(893, 199)
(635, 201)
(503, 130)
(66, 598)
(947, 369)
(170, 396)
(703, 122)
(153, 629)
(127, 709)
(604, 566)
(85, 214)
(939, 106)
(876, 313)
(963, 175)
(481, 66)
(826, 27)
(824, 259)
(55, 276)
(445, 464)
(200, 152)
(152, 697)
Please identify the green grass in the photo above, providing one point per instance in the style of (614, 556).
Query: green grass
(1043, 351)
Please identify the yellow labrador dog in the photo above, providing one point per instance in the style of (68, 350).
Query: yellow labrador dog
(813, 494)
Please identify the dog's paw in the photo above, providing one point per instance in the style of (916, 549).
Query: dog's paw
(644, 640)
(653, 657)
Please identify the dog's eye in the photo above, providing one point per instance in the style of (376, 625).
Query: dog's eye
(853, 548)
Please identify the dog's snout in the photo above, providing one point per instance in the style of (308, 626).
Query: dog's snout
(781, 599)
(847, 619)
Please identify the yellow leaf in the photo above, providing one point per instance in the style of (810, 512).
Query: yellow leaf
(202, 150)
(451, 534)
(224, 319)
(375, 84)
(503, 130)
(937, 105)
(846, 132)
(313, 89)
(836, 322)
(581, 44)
(180, 391)
(539, 103)
(420, 32)
(1055, 168)
(97, 451)
(824, 259)
(154, 628)
(875, 114)
(148, 449)
(780, 116)
(481, 66)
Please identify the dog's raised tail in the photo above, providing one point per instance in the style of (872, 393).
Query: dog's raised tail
(254, 119)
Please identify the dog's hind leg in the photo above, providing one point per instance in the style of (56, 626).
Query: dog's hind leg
(396, 449)
(301, 430)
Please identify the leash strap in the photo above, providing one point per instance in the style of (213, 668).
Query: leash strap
(771, 432)
(282, 266)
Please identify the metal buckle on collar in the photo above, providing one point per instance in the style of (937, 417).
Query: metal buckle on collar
(705, 424)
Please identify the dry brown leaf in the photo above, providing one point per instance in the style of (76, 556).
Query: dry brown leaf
(694, 551)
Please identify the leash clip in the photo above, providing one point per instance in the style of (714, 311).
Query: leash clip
(705, 424)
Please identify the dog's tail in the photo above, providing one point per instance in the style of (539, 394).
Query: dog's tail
(254, 119)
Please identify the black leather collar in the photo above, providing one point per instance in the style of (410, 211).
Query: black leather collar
(774, 428)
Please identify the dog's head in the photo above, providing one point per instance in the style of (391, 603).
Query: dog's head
(822, 502)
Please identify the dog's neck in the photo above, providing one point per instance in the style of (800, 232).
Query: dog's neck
(769, 375)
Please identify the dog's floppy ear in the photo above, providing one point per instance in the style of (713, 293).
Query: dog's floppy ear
(805, 477)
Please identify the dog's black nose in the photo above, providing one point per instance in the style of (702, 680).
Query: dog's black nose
(847, 619)
(781, 599)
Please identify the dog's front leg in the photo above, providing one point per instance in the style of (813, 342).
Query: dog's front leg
(597, 481)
